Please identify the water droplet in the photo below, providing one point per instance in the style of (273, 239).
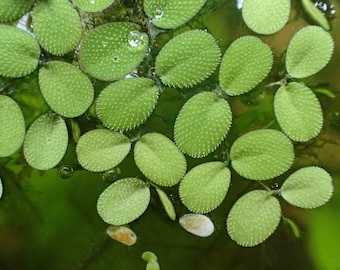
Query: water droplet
(135, 38)
(158, 14)
(65, 171)
(105, 43)
(111, 175)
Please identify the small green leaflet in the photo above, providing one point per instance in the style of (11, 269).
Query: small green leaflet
(253, 218)
(93, 5)
(151, 259)
(167, 204)
(265, 16)
(262, 154)
(113, 50)
(46, 141)
(188, 59)
(309, 187)
(309, 51)
(202, 124)
(159, 159)
(56, 25)
(100, 149)
(315, 14)
(123, 201)
(19, 52)
(204, 187)
(125, 104)
(246, 63)
(66, 89)
(171, 13)
(11, 10)
(298, 111)
(12, 126)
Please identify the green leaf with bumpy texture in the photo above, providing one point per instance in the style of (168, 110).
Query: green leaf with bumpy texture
(101, 149)
(262, 154)
(253, 218)
(298, 112)
(56, 25)
(123, 201)
(167, 204)
(19, 52)
(66, 89)
(172, 13)
(113, 50)
(159, 159)
(188, 59)
(204, 187)
(11, 10)
(315, 14)
(202, 124)
(12, 126)
(46, 141)
(309, 51)
(125, 104)
(309, 187)
(265, 16)
(93, 5)
(246, 63)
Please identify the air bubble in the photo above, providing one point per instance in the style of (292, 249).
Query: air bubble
(111, 175)
(135, 38)
(158, 13)
(65, 171)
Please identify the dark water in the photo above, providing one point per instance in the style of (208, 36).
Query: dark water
(49, 222)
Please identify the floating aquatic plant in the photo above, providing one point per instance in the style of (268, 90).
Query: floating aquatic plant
(11, 10)
(151, 259)
(93, 5)
(315, 14)
(167, 204)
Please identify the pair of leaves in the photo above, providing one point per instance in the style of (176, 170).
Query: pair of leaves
(93, 5)
(11, 10)
(256, 215)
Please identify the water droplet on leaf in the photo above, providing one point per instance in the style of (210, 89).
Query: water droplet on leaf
(65, 171)
(111, 175)
(135, 38)
(158, 13)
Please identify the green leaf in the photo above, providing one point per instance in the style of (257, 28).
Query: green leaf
(125, 104)
(204, 187)
(167, 204)
(151, 258)
(113, 50)
(195, 51)
(159, 159)
(46, 141)
(122, 234)
(101, 149)
(315, 14)
(67, 90)
(309, 51)
(309, 187)
(197, 224)
(93, 5)
(202, 124)
(253, 218)
(12, 126)
(123, 201)
(19, 52)
(262, 154)
(11, 10)
(292, 225)
(246, 63)
(265, 16)
(171, 13)
(56, 25)
(298, 112)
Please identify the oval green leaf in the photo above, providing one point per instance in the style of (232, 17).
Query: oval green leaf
(246, 63)
(315, 14)
(202, 124)
(171, 13)
(265, 16)
(113, 50)
(188, 59)
(309, 187)
(298, 112)
(309, 51)
(123, 201)
(100, 149)
(262, 154)
(159, 159)
(46, 141)
(66, 89)
(167, 204)
(204, 187)
(253, 218)
(93, 5)
(125, 104)
(12, 126)
(56, 25)
(11, 10)
(19, 52)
